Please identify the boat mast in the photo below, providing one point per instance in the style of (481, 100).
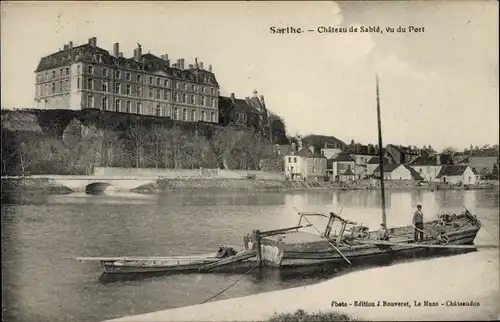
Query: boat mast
(381, 156)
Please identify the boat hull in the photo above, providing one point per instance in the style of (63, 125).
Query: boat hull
(298, 249)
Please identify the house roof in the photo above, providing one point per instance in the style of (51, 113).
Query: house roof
(388, 168)
(306, 152)
(256, 104)
(149, 63)
(343, 157)
(320, 140)
(423, 161)
(375, 160)
(414, 173)
(238, 105)
(403, 149)
(348, 172)
(452, 170)
(362, 149)
(483, 162)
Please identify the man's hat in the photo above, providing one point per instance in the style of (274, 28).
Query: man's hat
(419, 206)
(382, 224)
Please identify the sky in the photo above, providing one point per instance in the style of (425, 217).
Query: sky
(438, 87)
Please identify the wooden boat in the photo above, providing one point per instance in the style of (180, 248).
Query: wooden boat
(355, 243)
(129, 265)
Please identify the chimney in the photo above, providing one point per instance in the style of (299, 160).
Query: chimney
(116, 49)
(190, 66)
(174, 65)
(168, 63)
(201, 65)
(232, 97)
(66, 47)
(178, 65)
(196, 63)
(93, 42)
(299, 143)
(120, 54)
(138, 53)
(438, 159)
(210, 68)
(293, 147)
(70, 45)
(255, 93)
(182, 63)
(311, 148)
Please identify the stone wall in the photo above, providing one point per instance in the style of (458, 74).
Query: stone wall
(186, 173)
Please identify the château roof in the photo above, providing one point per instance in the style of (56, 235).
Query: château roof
(148, 63)
(238, 105)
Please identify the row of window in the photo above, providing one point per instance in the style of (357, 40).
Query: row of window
(55, 87)
(242, 117)
(164, 82)
(63, 72)
(152, 93)
(158, 111)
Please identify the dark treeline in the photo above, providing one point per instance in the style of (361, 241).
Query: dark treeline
(74, 142)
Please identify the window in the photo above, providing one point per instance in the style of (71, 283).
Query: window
(289, 159)
(158, 110)
(165, 95)
(183, 98)
(90, 101)
(185, 86)
(67, 71)
(176, 97)
(193, 115)
(128, 76)
(175, 116)
(209, 102)
(184, 115)
(78, 83)
(150, 92)
(47, 75)
(90, 83)
(104, 103)
(117, 74)
(128, 106)
(193, 88)
(203, 89)
(91, 69)
(294, 160)
(213, 102)
(60, 86)
(191, 99)
(203, 116)
(104, 72)
(139, 91)
(212, 117)
(53, 74)
(165, 83)
(60, 72)
(213, 91)
(151, 80)
(138, 78)
(128, 89)
(53, 88)
(158, 81)
(138, 107)
(45, 91)
(158, 93)
(117, 105)
(176, 85)
(104, 86)
(77, 70)
(66, 85)
(202, 100)
(117, 88)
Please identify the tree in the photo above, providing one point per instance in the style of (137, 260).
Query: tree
(449, 150)
(222, 143)
(137, 134)
(278, 130)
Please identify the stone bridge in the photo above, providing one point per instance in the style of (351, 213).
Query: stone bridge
(80, 182)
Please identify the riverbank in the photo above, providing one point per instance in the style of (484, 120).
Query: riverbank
(21, 185)
(445, 281)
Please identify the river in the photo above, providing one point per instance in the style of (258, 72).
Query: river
(41, 234)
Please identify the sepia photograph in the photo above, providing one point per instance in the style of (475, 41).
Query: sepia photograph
(250, 161)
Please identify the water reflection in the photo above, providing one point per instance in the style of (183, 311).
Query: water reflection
(40, 234)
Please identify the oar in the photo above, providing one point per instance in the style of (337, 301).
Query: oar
(338, 250)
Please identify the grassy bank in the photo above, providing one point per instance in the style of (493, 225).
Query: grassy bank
(302, 316)
(16, 186)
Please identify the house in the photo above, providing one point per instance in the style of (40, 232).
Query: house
(362, 154)
(457, 174)
(398, 154)
(330, 150)
(347, 175)
(427, 167)
(339, 164)
(373, 163)
(305, 164)
(397, 172)
(238, 112)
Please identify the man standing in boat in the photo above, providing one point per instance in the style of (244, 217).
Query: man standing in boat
(418, 223)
